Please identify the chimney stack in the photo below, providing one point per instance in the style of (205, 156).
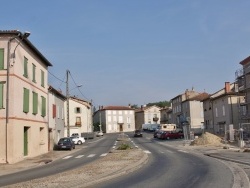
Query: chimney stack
(227, 87)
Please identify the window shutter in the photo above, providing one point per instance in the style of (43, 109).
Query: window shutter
(1, 59)
(54, 111)
(35, 103)
(1, 95)
(42, 78)
(25, 100)
(43, 106)
(25, 71)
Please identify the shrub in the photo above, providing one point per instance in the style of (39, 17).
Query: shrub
(124, 146)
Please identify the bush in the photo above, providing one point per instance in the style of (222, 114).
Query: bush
(124, 146)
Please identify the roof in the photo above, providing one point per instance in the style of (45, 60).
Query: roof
(199, 97)
(59, 93)
(81, 101)
(116, 108)
(17, 34)
(245, 61)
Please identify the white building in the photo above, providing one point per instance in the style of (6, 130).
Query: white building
(56, 116)
(115, 119)
(80, 116)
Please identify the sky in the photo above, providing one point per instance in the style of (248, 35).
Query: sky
(135, 51)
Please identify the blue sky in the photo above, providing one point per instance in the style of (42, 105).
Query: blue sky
(136, 51)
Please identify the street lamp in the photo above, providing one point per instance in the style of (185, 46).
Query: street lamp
(22, 37)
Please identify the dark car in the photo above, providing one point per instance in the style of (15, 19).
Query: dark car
(66, 143)
(138, 133)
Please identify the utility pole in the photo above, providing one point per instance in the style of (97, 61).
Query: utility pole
(67, 96)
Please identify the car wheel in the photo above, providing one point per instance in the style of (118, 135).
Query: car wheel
(168, 138)
(79, 142)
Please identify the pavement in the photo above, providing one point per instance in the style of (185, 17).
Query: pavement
(232, 153)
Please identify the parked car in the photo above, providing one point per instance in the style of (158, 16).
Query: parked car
(66, 143)
(160, 134)
(78, 140)
(137, 133)
(74, 134)
(155, 133)
(99, 133)
(172, 135)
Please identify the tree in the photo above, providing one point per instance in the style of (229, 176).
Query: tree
(160, 104)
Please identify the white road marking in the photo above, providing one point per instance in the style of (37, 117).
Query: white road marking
(146, 151)
(91, 155)
(183, 151)
(104, 154)
(67, 157)
(79, 156)
(113, 147)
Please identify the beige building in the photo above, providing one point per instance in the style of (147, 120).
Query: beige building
(222, 109)
(176, 103)
(115, 119)
(192, 110)
(166, 115)
(147, 115)
(23, 98)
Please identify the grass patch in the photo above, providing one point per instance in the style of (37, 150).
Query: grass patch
(124, 146)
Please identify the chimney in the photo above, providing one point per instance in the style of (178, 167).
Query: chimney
(129, 105)
(227, 87)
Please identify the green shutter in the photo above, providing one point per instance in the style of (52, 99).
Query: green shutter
(35, 103)
(1, 59)
(25, 66)
(26, 93)
(43, 106)
(1, 95)
(42, 78)
(34, 73)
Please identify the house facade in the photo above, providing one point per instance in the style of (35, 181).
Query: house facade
(178, 117)
(23, 98)
(166, 115)
(113, 119)
(243, 81)
(56, 116)
(221, 109)
(192, 110)
(147, 115)
(80, 116)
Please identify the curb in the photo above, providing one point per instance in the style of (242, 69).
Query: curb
(227, 159)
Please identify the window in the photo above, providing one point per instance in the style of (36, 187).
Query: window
(25, 66)
(33, 73)
(78, 121)
(1, 94)
(35, 103)
(42, 78)
(78, 110)
(216, 112)
(43, 110)
(223, 110)
(26, 94)
(1, 59)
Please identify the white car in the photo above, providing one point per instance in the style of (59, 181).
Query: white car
(78, 140)
(99, 133)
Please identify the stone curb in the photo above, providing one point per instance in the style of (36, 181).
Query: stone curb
(130, 168)
(227, 159)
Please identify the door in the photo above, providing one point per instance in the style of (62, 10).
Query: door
(121, 128)
(25, 141)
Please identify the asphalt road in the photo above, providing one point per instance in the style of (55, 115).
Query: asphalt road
(101, 146)
(170, 167)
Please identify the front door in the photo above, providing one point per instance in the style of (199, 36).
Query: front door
(25, 141)
(121, 128)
